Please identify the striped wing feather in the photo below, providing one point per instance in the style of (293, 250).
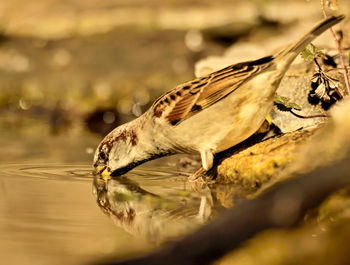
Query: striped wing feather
(186, 100)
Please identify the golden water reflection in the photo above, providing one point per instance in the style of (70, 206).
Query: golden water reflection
(156, 208)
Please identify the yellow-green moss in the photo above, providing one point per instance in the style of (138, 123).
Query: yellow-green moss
(257, 164)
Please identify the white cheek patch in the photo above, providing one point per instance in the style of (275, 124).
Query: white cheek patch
(120, 156)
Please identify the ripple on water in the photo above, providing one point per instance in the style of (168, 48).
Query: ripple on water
(48, 171)
(84, 172)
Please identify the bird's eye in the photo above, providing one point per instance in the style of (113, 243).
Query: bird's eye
(102, 156)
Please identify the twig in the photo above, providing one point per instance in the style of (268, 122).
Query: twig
(310, 116)
(345, 71)
(333, 69)
(331, 78)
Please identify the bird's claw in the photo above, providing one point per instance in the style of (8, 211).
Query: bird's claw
(197, 175)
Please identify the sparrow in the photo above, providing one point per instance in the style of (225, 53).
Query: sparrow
(204, 116)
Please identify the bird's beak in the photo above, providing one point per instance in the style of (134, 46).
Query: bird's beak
(102, 170)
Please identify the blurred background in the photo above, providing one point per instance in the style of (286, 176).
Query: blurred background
(79, 68)
(71, 71)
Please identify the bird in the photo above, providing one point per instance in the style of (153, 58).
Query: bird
(204, 116)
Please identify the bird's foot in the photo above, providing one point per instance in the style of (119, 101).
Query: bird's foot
(196, 176)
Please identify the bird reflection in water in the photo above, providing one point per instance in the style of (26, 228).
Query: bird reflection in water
(156, 213)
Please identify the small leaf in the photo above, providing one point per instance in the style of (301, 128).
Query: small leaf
(294, 106)
(309, 52)
(280, 100)
(284, 104)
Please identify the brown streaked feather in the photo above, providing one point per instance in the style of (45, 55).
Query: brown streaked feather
(186, 100)
(182, 107)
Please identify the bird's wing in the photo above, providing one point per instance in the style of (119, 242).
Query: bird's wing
(189, 98)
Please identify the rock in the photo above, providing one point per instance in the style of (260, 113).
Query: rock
(322, 239)
(257, 164)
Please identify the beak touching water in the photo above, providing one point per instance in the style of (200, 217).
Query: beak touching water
(102, 170)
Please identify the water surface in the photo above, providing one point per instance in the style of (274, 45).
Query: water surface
(61, 214)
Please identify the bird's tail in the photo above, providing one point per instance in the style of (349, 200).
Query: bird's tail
(288, 55)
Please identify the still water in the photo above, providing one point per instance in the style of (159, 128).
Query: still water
(61, 214)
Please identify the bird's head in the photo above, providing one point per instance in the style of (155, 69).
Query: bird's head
(118, 153)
